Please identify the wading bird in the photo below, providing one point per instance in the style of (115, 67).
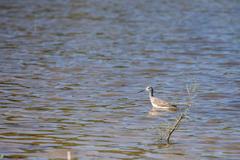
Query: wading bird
(159, 104)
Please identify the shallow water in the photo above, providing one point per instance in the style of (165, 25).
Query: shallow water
(70, 71)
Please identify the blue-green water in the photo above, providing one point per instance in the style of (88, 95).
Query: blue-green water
(69, 71)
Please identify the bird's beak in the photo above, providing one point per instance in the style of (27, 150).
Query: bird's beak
(140, 91)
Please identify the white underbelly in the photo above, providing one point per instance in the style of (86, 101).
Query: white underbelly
(161, 107)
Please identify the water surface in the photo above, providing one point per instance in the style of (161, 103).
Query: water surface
(70, 71)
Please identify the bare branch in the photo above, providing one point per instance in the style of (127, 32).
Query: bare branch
(174, 127)
(190, 91)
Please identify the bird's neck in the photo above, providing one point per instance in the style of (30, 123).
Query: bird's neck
(151, 93)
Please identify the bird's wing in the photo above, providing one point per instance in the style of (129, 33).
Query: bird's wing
(161, 103)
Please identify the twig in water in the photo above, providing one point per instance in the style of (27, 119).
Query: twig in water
(190, 91)
(174, 127)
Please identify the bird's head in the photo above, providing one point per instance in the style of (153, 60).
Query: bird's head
(149, 89)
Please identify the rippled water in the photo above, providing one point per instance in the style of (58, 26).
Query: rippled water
(70, 71)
